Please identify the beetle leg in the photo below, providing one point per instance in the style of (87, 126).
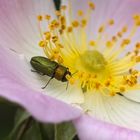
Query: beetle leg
(33, 71)
(37, 72)
(67, 85)
(47, 83)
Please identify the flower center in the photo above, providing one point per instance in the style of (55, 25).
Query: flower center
(67, 43)
(93, 61)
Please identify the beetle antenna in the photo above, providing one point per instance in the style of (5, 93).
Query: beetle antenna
(127, 98)
(74, 73)
(47, 83)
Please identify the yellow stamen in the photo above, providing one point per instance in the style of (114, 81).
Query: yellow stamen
(99, 67)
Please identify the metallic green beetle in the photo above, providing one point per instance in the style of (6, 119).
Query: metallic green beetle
(50, 68)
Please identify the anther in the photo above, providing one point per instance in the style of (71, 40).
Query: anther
(54, 38)
(51, 27)
(114, 38)
(58, 45)
(61, 31)
(63, 27)
(47, 17)
(42, 44)
(136, 51)
(83, 22)
(107, 83)
(112, 93)
(47, 35)
(56, 50)
(101, 29)
(122, 89)
(39, 17)
(119, 34)
(137, 20)
(138, 45)
(92, 43)
(91, 5)
(125, 42)
(62, 20)
(69, 29)
(130, 70)
(124, 29)
(75, 23)
(138, 59)
(109, 44)
(80, 13)
(111, 22)
(97, 85)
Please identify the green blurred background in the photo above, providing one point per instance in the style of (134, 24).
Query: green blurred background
(7, 112)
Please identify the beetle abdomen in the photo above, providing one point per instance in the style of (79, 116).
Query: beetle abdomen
(44, 65)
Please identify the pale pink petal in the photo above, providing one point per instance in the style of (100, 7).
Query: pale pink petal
(91, 129)
(121, 11)
(14, 87)
(42, 107)
(19, 26)
(17, 66)
(116, 110)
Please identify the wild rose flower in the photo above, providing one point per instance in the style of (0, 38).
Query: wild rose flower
(97, 42)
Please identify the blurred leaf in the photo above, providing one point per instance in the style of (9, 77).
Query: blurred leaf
(20, 120)
(47, 131)
(21, 115)
(64, 131)
(7, 113)
(33, 133)
(26, 128)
